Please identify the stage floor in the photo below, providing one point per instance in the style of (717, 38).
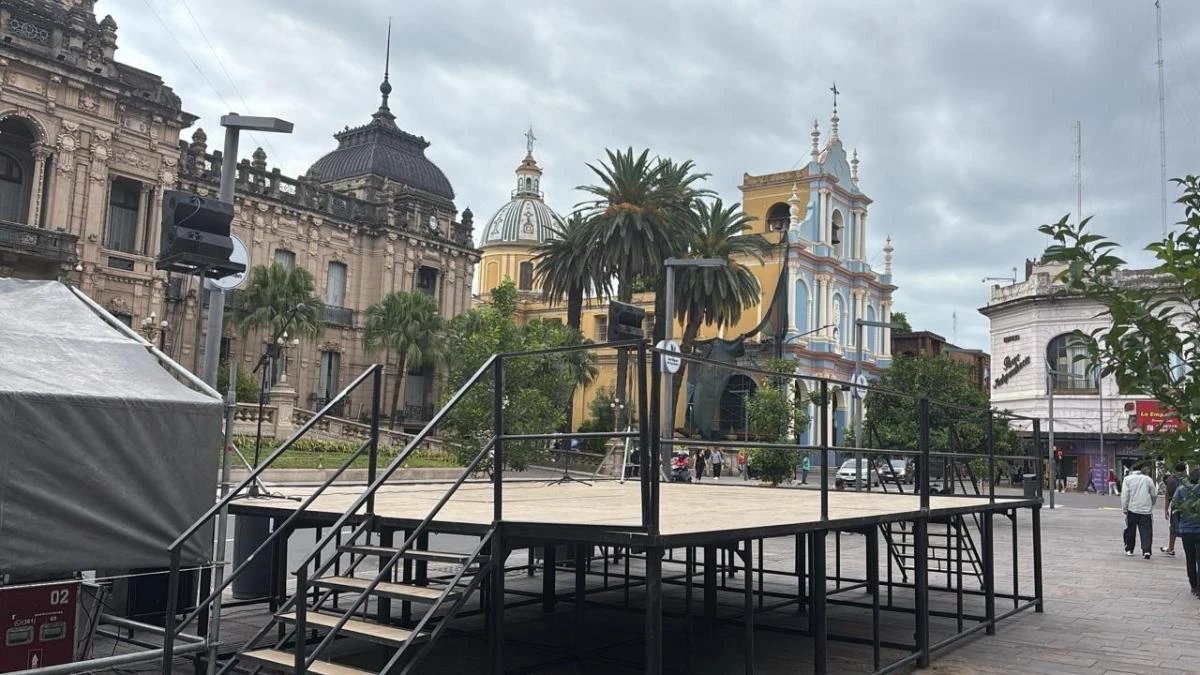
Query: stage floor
(689, 512)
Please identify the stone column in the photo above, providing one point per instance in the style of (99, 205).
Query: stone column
(40, 154)
(792, 278)
(862, 230)
(886, 339)
(823, 235)
(143, 230)
(283, 399)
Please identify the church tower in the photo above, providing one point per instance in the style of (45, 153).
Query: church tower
(511, 236)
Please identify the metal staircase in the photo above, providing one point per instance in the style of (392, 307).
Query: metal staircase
(951, 549)
(318, 612)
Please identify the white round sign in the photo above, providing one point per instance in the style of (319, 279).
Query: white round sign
(233, 281)
(860, 386)
(670, 364)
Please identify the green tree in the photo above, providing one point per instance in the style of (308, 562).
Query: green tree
(637, 220)
(537, 389)
(1152, 343)
(246, 388)
(407, 324)
(900, 322)
(275, 294)
(892, 422)
(775, 419)
(716, 295)
(568, 268)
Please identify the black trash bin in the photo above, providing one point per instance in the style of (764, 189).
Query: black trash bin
(1029, 482)
(249, 532)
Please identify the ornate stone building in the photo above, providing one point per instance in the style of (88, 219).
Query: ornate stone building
(87, 146)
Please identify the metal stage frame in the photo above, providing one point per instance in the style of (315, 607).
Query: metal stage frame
(920, 559)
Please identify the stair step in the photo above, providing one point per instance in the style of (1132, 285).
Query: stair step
(356, 628)
(384, 588)
(286, 661)
(428, 556)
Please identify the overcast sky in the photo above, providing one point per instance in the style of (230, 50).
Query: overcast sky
(962, 111)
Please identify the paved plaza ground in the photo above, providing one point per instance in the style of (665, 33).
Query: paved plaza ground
(1105, 613)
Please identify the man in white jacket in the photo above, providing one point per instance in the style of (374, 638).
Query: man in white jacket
(1138, 494)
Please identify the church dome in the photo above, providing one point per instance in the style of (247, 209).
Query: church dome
(380, 148)
(525, 219)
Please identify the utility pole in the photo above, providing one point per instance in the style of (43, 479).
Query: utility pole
(1162, 120)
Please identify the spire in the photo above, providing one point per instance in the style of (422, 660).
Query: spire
(529, 174)
(794, 207)
(816, 140)
(385, 87)
(887, 255)
(833, 131)
(854, 167)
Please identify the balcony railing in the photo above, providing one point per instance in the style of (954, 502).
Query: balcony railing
(48, 245)
(339, 316)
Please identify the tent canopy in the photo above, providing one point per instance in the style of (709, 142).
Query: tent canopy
(104, 456)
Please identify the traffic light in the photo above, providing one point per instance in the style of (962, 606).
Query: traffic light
(625, 322)
(195, 236)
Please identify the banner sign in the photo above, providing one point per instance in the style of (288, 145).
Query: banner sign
(1153, 419)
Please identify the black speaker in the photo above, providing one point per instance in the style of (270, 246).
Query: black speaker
(195, 236)
(625, 321)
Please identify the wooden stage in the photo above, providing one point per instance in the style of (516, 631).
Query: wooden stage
(609, 511)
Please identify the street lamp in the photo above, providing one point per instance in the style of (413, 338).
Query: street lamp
(668, 394)
(234, 124)
(154, 330)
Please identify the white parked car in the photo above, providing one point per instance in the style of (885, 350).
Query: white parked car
(851, 472)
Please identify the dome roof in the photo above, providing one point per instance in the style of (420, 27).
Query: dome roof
(524, 220)
(380, 148)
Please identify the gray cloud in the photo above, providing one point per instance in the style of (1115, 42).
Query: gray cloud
(961, 111)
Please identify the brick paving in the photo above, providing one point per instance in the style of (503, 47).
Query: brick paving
(1105, 613)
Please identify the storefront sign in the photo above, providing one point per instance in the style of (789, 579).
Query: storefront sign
(1012, 365)
(1150, 418)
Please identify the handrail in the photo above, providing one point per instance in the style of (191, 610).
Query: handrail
(171, 628)
(399, 459)
(437, 604)
(271, 538)
(216, 508)
(384, 569)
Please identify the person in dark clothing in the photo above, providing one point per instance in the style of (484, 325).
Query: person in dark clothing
(700, 461)
(1187, 503)
(1172, 484)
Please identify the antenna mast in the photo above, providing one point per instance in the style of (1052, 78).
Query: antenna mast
(1162, 119)
(1078, 172)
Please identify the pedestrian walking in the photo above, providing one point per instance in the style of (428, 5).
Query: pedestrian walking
(1187, 503)
(700, 464)
(1173, 482)
(741, 464)
(1138, 495)
(716, 460)
(1112, 482)
(805, 467)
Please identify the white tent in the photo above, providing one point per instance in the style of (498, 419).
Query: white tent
(105, 457)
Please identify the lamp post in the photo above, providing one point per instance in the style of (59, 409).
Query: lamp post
(234, 124)
(155, 330)
(1050, 375)
(668, 393)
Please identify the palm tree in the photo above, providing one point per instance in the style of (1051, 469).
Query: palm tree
(276, 296)
(407, 323)
(568, 267)
(717, 295)
(636, 221)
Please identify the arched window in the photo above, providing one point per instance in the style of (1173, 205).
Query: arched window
(871, 330)
(839, 321)
(778, 217)
(12, 188)
(1071, 370)
(525, 283)
(837, 233)
(801, 308)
